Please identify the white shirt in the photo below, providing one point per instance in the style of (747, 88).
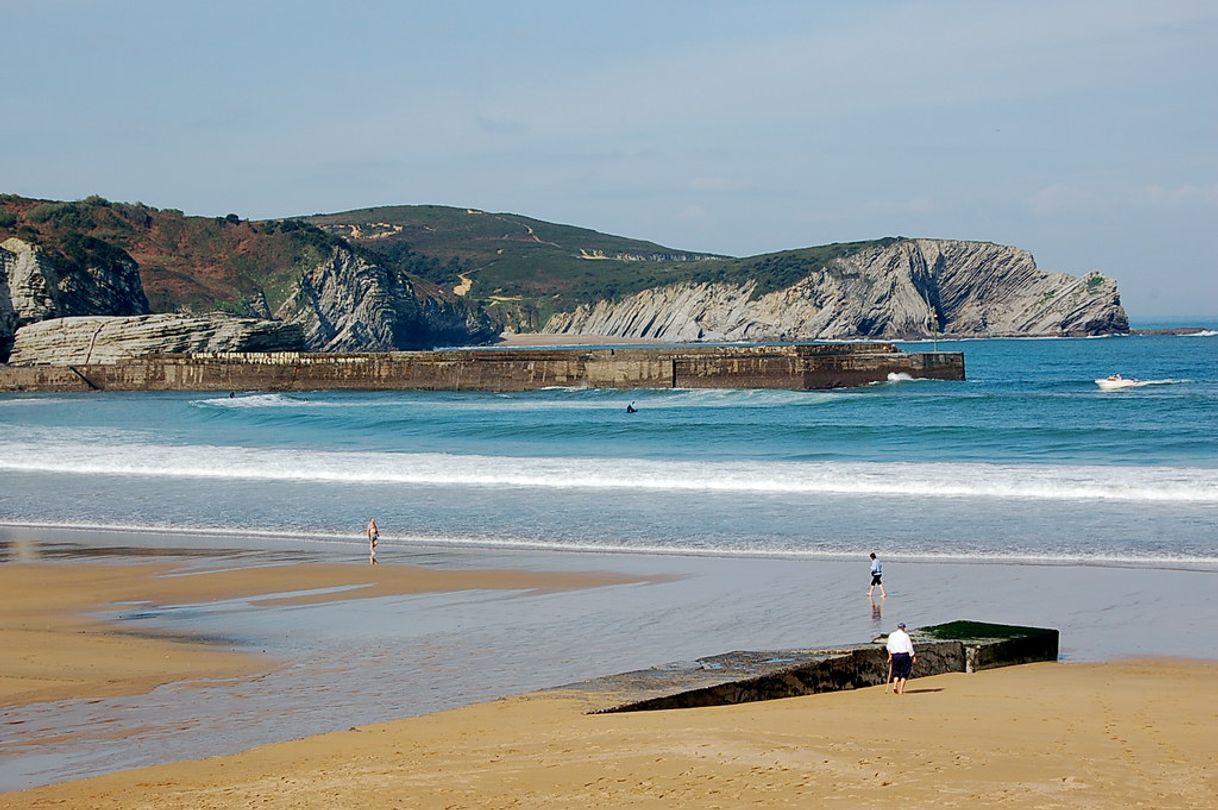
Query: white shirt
(898, 642)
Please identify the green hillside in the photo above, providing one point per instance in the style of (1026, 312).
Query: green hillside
(520, 269)
(186, 263)
(523, 269)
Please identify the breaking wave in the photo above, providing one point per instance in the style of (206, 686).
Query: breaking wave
(912, 479)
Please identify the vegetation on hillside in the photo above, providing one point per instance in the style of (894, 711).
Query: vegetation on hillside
(192, 264)
(526, 269)
(520, 269)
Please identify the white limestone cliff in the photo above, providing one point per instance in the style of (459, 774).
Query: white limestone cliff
(348, 303)
(907, 289)
(35, 286)
(101, 339)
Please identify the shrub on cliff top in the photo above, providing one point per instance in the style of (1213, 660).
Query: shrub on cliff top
(62, 215)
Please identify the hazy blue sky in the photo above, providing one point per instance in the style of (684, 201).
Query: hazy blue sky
(1085, 132)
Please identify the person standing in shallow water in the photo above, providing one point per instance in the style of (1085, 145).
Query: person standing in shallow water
(877, 574)
(374, 537)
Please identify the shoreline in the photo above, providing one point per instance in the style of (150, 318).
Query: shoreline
(1037, 735)
(347, 540)
(63, 614)
(332, 660)
(67, 653)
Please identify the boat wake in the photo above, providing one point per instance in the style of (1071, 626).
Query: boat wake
(1109, 384)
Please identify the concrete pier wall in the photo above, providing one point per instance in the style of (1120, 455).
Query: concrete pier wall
(792, 367)
(742, 677)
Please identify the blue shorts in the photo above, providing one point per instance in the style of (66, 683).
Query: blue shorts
(902, 665)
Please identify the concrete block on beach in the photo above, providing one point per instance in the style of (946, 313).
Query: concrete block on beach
(743, 677)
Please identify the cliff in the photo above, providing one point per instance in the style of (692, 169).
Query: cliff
(418, 277)
(163, 261)
(86, 276)
(908, 288)
(348, 303)
(107, 339)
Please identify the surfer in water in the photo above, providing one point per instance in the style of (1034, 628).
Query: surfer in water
(631, 409)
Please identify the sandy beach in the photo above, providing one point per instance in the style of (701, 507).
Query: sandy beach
(1137, 732)
(61, 653)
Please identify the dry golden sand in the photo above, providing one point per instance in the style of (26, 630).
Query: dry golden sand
(1135, 733)
(1131, 734)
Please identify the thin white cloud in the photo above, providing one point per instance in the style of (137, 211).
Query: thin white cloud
(1189, 195)
(693, 214)
(716, 184)
(1062, 197)
(1070, 198)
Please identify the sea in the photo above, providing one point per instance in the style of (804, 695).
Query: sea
(1024, 494)
(1025, 460)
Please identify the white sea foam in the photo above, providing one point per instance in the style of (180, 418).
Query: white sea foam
(254, 401)
(563, 398)
(28, 400)
(1131, 383)
(1141, 383)
(902, 479)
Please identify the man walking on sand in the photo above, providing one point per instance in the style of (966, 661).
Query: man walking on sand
(900, 658)
(374, 536)
(877, 573)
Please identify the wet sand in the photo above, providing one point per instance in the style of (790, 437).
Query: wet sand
(1132, 733)
(55, 652)
(1065, 735)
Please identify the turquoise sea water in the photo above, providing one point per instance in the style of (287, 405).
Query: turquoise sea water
(1027, 460)
(755, 508)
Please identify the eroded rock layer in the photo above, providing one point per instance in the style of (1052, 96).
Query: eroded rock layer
(101, 339)
(907, 289)
(93, 278)
(348, 303)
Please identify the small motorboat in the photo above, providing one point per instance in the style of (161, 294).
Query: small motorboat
(1115, 382)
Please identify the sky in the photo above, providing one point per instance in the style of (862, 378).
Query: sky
(1085, 132)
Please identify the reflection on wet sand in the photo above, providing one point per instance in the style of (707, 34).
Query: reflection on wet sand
(185, 626)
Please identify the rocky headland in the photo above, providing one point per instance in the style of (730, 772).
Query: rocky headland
(421, 277)
(909, 289)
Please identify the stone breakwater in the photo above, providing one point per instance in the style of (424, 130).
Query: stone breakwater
(791, 367)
